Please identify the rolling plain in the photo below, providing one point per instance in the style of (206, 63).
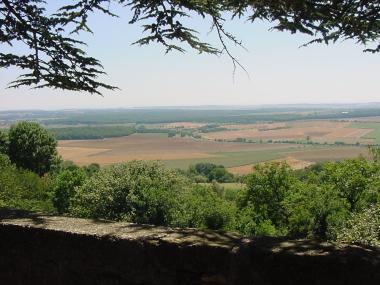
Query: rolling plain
(237, 147)
(235, 138)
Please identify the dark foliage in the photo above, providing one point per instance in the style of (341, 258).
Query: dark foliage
(32, 147)
(211, 172)
(88, 133)
(56, 59)
(4, 143)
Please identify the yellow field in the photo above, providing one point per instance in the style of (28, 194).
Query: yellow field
(292, 161)
(318, 131)
(179, 152)
(151, 147)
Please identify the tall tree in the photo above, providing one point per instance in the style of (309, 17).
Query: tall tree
(32, 147)
(54, 58)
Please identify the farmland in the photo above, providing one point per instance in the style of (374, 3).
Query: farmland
(160, 147)
(319, 131)
(373, 128)
(235, 138)
(181, 152)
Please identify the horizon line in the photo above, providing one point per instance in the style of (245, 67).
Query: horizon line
(211, 107)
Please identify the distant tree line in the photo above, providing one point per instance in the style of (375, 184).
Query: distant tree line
(99, 117)
(91, 132)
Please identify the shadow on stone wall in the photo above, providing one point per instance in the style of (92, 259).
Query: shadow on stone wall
(38, 249)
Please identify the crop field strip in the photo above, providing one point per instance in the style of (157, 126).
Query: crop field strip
(317, 131)
(181, 152)
(304, 155)
(155, 147)
(373, 127)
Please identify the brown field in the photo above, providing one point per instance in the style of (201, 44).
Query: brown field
(318, 131)
(241, 170)
(302, 159)
(339, 153)
(294, 163)
(150, 147)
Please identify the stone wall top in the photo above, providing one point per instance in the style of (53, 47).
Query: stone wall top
(47, 249)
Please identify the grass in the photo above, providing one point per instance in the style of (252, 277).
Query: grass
(374, 135)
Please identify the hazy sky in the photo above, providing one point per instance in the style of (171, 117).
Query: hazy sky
(279, 72)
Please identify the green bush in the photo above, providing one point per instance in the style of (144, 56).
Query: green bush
(249, 222)
(351, 178)
(23, 189)
(211, 172)
(362, 228)
(137, 191)
(201, 207)
(314, 210)
(266, 190)
(65, 184)
(4, 143)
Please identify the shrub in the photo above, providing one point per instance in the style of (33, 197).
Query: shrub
(23, 189)
(362, 228)
(64, 188)
(314, 210)
(251, 223)
(211, 172)
(266, 190)
(351, 178)
(137, 191)
(201, 207)
(4, 143)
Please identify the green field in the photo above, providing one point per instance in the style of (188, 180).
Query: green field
(312, 153)
(231, 159)
(374, 135)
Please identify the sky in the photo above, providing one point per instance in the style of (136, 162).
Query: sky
(279, 71)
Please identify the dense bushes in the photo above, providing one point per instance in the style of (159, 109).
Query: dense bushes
(142, 192)
(314, 210)
(335, 200)
(4, 143)
(267, 187)
(201, 207)
(22, 188)
(64, 187)
(362, 227)
(147, 192)
(209, 172)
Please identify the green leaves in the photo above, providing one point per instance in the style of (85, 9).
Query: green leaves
(143, 192)
(266, 189)
(362, 227)
(23, 189)
(32, 147)
(64, 188)
(54, 59)
(4, 143)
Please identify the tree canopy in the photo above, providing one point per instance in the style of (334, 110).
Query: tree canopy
(55, 58)
(32, 147)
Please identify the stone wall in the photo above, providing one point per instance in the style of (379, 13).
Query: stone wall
(57, 250)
